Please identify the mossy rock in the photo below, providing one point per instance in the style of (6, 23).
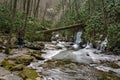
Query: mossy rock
(7, 51)
(28, 74)
(110, 64)
(113, 65)
(26, 60)
(61, 63)
(18, 67)
(57, 47)
(34, 45)
(109, 76)
(37, 55)
(115, 51)
(8, 64)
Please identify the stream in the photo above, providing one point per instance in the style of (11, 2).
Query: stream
(84, 64)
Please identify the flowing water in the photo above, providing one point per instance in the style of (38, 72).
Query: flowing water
(84, 64)
(77, 64)
(78, 37)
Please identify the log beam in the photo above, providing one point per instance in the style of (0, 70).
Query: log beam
(79, 26)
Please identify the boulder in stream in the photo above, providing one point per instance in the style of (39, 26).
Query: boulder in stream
(34, 45)
(29, 74)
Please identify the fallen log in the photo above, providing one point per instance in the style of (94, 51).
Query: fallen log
(79, 26)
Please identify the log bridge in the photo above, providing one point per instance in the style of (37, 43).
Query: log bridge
(79, 26)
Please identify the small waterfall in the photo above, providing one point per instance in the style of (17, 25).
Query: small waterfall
(78, 40)
(78, 37)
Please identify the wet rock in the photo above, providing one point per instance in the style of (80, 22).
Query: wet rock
(75, 47)
(2, 57)
(112, 65)
(25, 59)
(76, 56)
(38, 78)
(116, 51)
(8, 64)
(1, 78)
(37, 55)
(72, 66)
(18, 67)
(28, 74)
(7, 51)
(12, 77)
(58, 47)
(34, 45)
(17, 63)
(3, 72)
(2, 47)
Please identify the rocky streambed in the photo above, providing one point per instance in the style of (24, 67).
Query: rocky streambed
(13, 66)
(84, 64)
(56, 62)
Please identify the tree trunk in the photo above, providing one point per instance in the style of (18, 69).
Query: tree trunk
(31, 8)
(24, 5)
(26, 16)
(104, 16)
(11, 25)
(43, 18)
(37, 9)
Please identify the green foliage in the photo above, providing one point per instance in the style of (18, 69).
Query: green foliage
(91, 13)
(34, 26)
(7, 23)
(114, 35)
(94, 28)
(5, 16)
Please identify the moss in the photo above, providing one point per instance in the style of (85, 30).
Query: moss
(12, 66)
(18, 67)
(37, 55)
(109, 76)
(26, 60)
(28, 74)
(110, 64)
(8, 64)
(113, 65)
(60, 63)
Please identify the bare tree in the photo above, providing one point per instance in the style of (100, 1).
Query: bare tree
(26, 15)
(36, 12)
(104, 14)
(45, 10)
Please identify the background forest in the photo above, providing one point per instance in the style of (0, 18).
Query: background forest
(101, 17)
